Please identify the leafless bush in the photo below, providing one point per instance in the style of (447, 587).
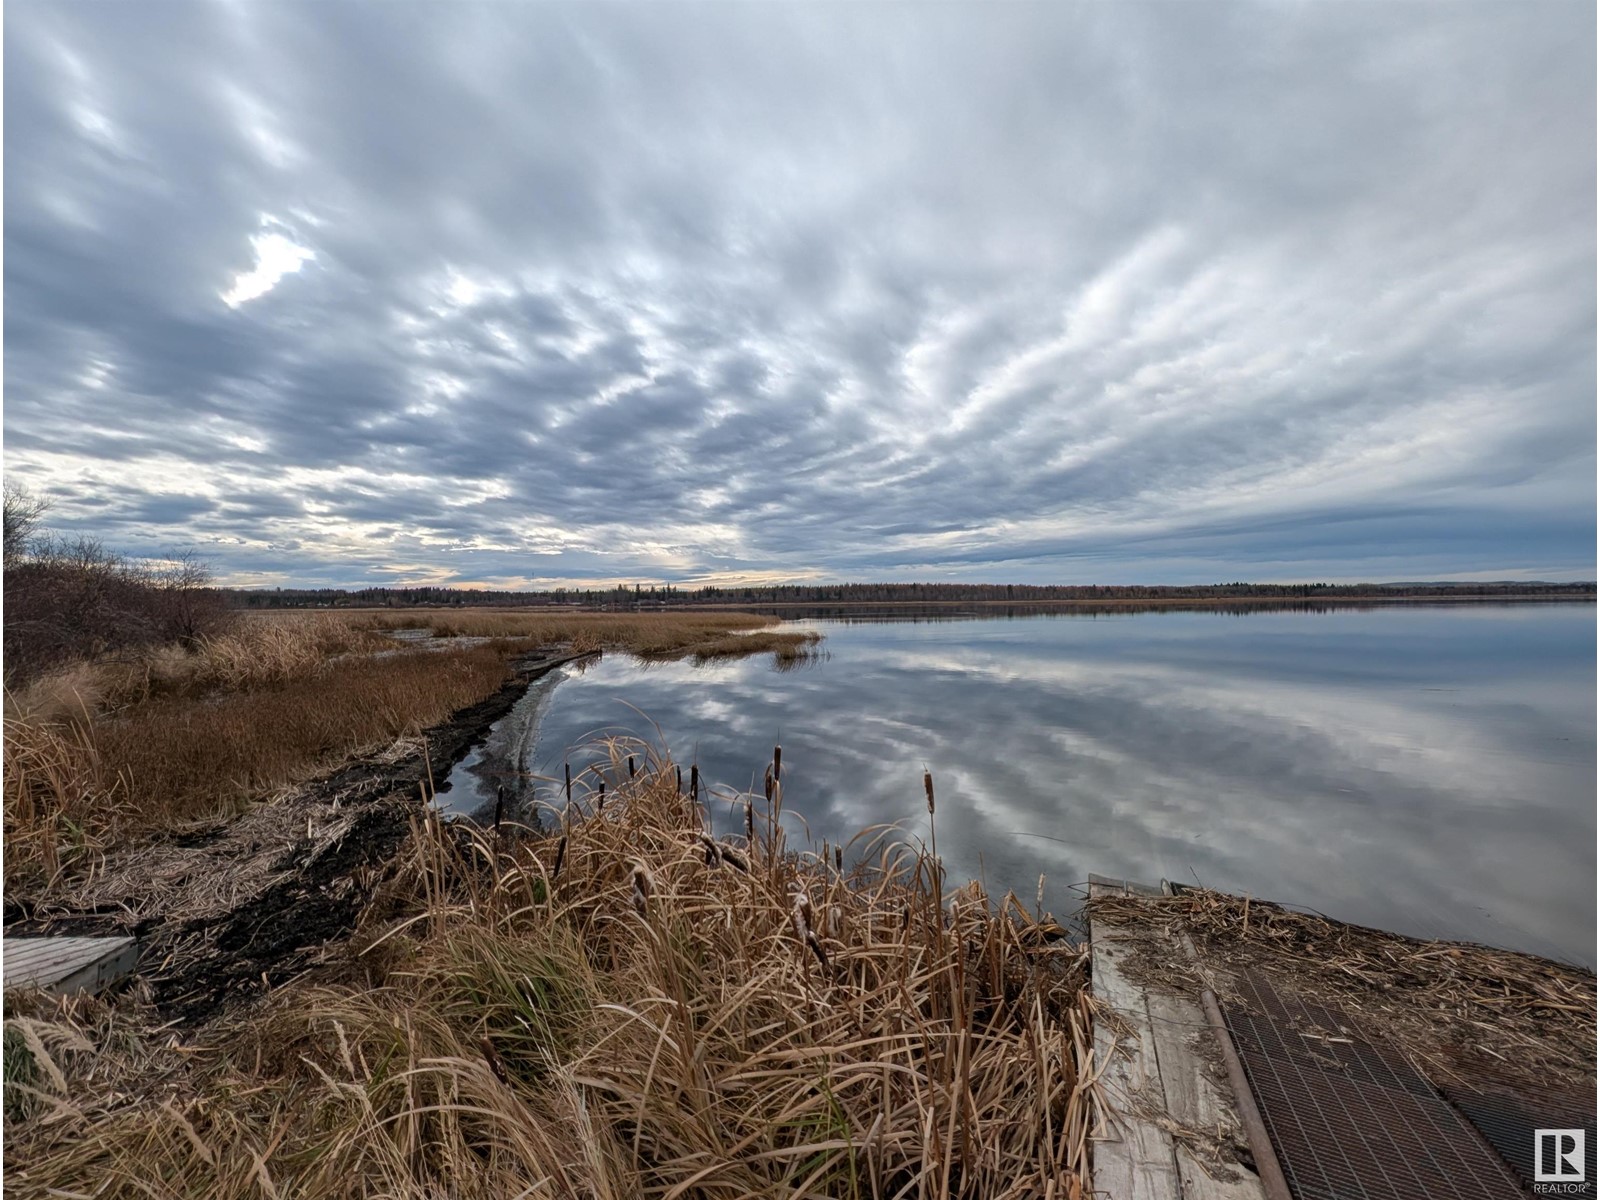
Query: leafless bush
(70, 599)
(23, 512)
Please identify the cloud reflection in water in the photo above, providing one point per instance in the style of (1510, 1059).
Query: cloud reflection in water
(1430, 770)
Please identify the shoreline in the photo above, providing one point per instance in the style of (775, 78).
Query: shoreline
(497, 960)
(300, 869)
(307, 864)
(1142, 602)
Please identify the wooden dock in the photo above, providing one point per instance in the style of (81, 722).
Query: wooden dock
(64, 965)
(1172, 1122)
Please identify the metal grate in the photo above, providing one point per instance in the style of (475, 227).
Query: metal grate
(1508, 1122)
(1349, 1119)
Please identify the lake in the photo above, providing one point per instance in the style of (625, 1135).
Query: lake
(1427, 769)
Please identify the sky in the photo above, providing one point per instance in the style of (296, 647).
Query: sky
(525, 295)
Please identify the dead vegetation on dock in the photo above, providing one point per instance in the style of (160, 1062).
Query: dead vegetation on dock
(1455, 1008)
(628, 1006)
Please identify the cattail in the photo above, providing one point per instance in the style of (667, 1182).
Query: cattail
(694, 782)
(770, 780)
(816, 948)
(750, 822)
(777, 762)
(927, 786)
(733, 858)
(713, 859)
(561, 854)
(801, 915)
(492, 1057)
(643, 888)
(680, 780)
(568, 767)
(630, 766)
(802, 926)
(600, 806)
(838, 859)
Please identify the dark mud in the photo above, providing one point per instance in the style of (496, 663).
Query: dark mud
(497, 773)
(229, 912)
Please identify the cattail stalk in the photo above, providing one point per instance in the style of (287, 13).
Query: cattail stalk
(643, 888)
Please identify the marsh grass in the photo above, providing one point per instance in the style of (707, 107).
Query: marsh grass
(252, 653)
(651, 636)
(528, 1019)
(104, 751)
(76, 785)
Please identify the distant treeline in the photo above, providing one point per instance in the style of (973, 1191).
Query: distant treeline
(653, 596)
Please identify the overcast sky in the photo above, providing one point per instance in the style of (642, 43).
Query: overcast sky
(521, 294)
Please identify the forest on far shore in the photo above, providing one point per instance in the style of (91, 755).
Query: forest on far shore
(670, 596)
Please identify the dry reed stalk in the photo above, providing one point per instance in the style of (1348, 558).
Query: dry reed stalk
(526, 1029)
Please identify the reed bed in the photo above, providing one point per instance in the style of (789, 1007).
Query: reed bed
(251, 653)
(652, 636)
(75, 786)
(625, 1006)
(167, 736)
(558, 624)
(787, 648)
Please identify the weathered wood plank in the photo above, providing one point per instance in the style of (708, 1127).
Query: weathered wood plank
(1195, 1101)
(1174, 1108)
(1136, 1161)
(1105, 885)
(66, 964)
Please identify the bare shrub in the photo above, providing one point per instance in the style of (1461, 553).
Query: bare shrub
(70, 600)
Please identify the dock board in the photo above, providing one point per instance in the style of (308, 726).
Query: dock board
(64, 965)
(1166, 1111)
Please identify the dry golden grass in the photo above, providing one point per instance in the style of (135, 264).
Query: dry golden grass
(252, 653)
(625, 1008)
(116, 749)
(647, 635)
(73, 787)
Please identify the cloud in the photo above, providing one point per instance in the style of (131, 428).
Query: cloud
(346, 293)
(276, 256)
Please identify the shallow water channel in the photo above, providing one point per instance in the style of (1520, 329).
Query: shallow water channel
(1428, 769)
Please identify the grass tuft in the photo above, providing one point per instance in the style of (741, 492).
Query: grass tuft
(511, 1031)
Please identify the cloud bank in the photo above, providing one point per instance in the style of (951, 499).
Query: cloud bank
(355, 293)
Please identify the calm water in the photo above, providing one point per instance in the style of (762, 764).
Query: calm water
(1430, 770)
